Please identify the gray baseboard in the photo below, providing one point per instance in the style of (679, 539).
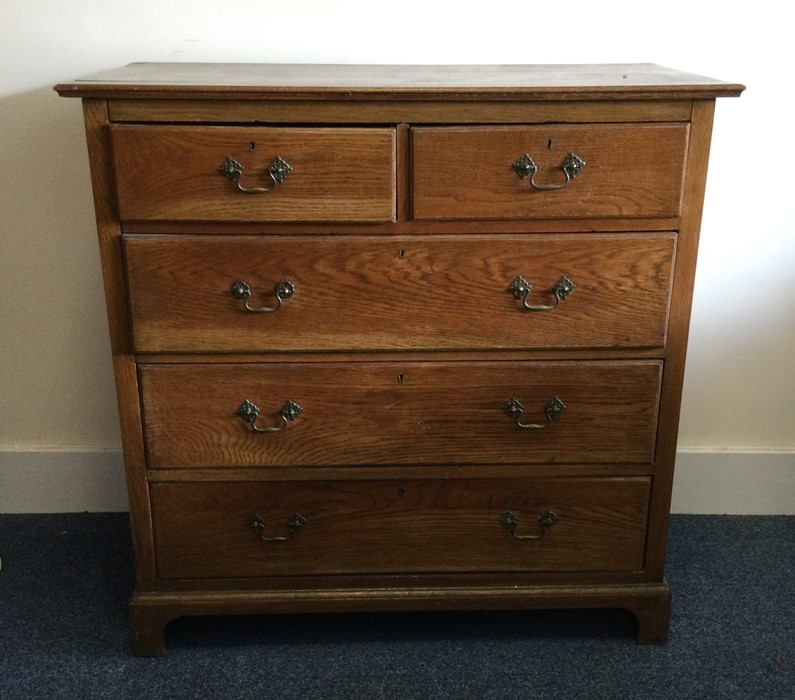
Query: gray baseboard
(734, 482)
(62, 481)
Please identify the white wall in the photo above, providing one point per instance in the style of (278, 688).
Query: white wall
(56, 389)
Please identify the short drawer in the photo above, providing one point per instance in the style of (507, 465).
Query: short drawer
(402, 293)
(194, 173)
(470, 172)
(382, 413)
(250, 529)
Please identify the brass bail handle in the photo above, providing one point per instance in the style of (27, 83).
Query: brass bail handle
(525, 167)
(295, 523)
(249, 412)
(242, 290)
(510, 521)
(514, 408)
(521, 289)
(278, 171)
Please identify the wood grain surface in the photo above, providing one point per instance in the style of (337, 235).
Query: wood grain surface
(171, 173)
(630, 171)
(398, 293)
(426, 413)
(422, 526)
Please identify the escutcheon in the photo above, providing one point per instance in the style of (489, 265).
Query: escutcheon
(521, 289)
(278, 171)
(525, 167)
(249, 412)
(553, 408)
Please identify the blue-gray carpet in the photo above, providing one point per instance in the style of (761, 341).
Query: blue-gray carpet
(65, 580)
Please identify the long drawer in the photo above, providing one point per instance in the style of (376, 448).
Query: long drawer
(191, 293)
(548, 171)
(380, 413)
(224, 173)
(249, 529)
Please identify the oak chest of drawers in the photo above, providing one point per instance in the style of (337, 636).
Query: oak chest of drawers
(398, 337)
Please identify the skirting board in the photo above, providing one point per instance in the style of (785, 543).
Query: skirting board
(706, 482)
(734, 482)
(62, 481)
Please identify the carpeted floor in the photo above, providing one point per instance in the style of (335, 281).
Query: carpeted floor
(65, 580)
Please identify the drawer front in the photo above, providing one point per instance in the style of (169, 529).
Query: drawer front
(381, 413)
(406, 293)
(467, 173)
(381, 527)
(171, 173)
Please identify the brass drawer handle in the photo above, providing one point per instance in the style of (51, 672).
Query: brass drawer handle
(278, 171)
(249, 413)
(510, 521)
(521, 289)
(552, 410)
(295, 524)
(525, 167)
(242, 290)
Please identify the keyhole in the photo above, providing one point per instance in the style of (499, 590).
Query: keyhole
(400, 378)
(252, 145)
(549, 143)
(402, 254)
(401, 492)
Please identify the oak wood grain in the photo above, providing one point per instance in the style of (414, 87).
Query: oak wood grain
(422, 526)
(466, 172)
(695, 184)
(152, 611)
(400, 413)
(398, 293)
(172, 173)
(356, 81)
(124, 365)
(430, 111)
